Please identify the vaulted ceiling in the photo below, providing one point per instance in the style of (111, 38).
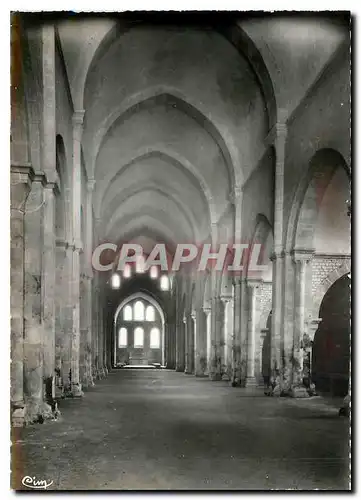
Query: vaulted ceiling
(176, 114)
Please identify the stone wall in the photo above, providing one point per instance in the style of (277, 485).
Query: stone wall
(265, 297)
(326, 270)
(322, 266)
(319, 122)
(258, 196)
(64, 106)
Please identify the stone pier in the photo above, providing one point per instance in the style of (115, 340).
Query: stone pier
(21, 178)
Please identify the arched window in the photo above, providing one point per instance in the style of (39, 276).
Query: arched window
(150, 314)
(138, 337)
(140, 264)
(139, 311)
(154, 272)
(123, 338)
(115, 281)
(127, 313)
(155, 338)
(127, 271)
(164, 282)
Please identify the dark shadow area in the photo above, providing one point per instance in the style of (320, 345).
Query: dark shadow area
(331, 347)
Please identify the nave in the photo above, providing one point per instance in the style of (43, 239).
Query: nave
(151, 429)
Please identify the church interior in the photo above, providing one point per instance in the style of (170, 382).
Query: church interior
(180, 128)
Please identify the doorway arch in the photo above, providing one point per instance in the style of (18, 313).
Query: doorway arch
(331, 345)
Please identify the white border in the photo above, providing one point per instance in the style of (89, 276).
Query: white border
(110, 6)
(179, 5)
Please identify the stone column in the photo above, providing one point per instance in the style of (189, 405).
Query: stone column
(192, 325)
(264, 362)
(224, 338)
(60, 311)
(277, 137)
(78, 247)
(95, 332)
(236, 341)
(89, 280)
(190, 333)
(207, 314)
(308, 339)
(64, 294)
(200, 343)
(67, 300)
(278, 370)
(173, 336)
(186, 345)
(21, 177)
(101, 371)
(301, 259)
(171, 345)
(33, 331)
(165, 344)
(83, 354)
(241, 341)
(75, 344)
(230, 338)
(217, 316)
(107, 328)
(236, 376)
(252, 287)
(48, 289)
(180, 352)
(49, 167)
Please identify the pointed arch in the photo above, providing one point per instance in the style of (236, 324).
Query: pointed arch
(139, 296)
(311, 187)
(229, 29)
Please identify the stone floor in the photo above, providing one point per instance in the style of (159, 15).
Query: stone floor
(158, 429)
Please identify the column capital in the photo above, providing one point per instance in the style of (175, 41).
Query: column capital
(40, 177)
(302, 255)
(78, 119)
(277, 254)
(264, 332)
(193, 315)
(279, 129)
(61, 242)
(52, 186)
(78, 246)
(91, 185)
(206, 309)
(69, 245)
(214, 224)
(21, 177)
(239, 280)
(49, 179)
(23, 172)
(235, 196)
(225, 298)
(252, 283)
(312, 327)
